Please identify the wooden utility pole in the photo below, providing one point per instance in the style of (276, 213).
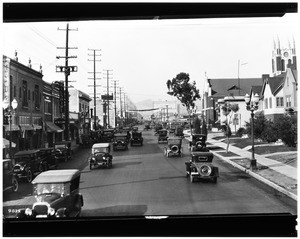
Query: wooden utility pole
(94, 78)
(107, 99)
(67, 69)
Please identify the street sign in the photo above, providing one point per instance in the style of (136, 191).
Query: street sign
(107, 97)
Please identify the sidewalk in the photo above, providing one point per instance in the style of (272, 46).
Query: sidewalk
(278, 175)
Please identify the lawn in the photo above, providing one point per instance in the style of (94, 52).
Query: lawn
(273, 149)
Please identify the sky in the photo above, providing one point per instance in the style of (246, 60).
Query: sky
(143, 55)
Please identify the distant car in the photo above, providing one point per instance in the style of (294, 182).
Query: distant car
(147, 127)
(10, 180)
(136, 138)
(135, 128)
(62, 150)
(201, 167)
(107, 135)
(28, 164)
(56, 193)
(86, 140)
(174, 147)
(120, 142)
(198, 143)
(48, 158)
(101, 155)
(162, 136)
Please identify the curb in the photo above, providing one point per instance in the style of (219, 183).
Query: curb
(258, 177)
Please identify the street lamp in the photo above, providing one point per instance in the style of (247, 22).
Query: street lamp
(252, 105)
(9, 110)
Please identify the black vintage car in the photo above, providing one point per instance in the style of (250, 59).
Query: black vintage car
(28, 164)
(157, 128)
(10, 179)
(162, 136)
(201, 167)
(62, 150)
(120, 142)
(86, 140)
(56, 194)
(101, 156)
(179, 131)
(198, 143)
(48, 159)
(174, 147)
(136, 138)
(107, 135)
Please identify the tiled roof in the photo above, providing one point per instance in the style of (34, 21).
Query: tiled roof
(257, 89)
(220, 86)
(276, 83)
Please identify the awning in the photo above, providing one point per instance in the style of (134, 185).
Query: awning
(13, 127)
(36, 126)
(51, 127)
(6, 144)
(26, 127)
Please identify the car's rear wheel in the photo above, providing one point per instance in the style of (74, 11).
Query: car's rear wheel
(29, 176)
(15, 185)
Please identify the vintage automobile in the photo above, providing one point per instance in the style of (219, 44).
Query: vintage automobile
(86, 140)
(162, 135)
(56, 194)
(198, 143)
(135, 128)
(107, 135)
(174, 147)
(147, 127)
(10, 179)
(201, 167)
(48, 159)
(28, 164)
(136, 138)
(126, 130)
(101, 155)
(62, 150)
(157, 128)
(179, 131)
(120, 142)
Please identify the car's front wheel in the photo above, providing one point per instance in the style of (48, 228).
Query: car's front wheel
(15, 185)
(29, 176)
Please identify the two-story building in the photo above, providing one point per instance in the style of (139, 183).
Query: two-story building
(26, 86)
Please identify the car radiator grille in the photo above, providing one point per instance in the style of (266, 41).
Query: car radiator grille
(41, 209)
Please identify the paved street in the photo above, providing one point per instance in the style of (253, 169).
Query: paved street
(145, 182)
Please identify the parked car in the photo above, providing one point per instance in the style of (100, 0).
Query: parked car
(10, 179)
(107, 135)
(101, 155)
(86, 140)
(56, 193)
(201, 167)
(62, 150)
(162, 135)
(120, 142)
(48, 159)
(136, 139)
(174, 147)
(198, 143)
(28, 164)
(158, 127)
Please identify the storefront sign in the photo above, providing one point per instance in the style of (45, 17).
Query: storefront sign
(6, 78)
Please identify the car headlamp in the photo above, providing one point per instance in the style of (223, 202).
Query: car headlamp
(28, 212)
(205, 170)
(51, 211)
(21, 168)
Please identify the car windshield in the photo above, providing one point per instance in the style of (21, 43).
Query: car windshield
(232, 77)
(22, 158)
(100, 150)
(60, 146)
(48, 188)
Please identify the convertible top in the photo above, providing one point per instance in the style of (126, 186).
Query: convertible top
(100, 145)
(56, 176)
(26, 152)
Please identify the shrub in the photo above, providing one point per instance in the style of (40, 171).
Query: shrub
(287, 130)
(240, 132)
(258, 126)
(270, 132)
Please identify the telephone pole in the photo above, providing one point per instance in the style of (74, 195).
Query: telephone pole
(121, 110)
(115, 98)
(67, 69)
(107, 102)
(95, 97)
